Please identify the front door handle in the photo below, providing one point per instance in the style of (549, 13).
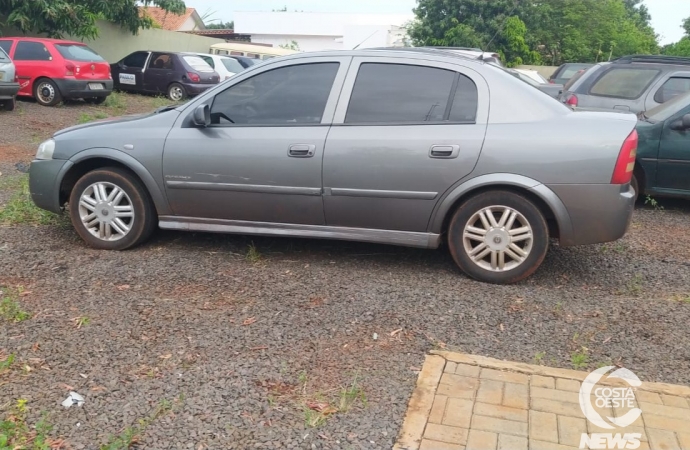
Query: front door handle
(444, 151)
(301, 150)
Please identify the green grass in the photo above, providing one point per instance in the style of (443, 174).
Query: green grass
(115, 100)
(130, 435)
(20, 209)
(161, 101)
(579, 359)
(10, 310)
(86, 118)
(633, 287)
(253, 255)
(7, 362)
(350, 395)
(539, 357)
(17, 434)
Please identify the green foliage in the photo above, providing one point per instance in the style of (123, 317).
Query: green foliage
(10, 310)
(680, 48)
(548, 31)
(20, 209)
(16, 434)
(78, 17)
(292, 45)
(221, 25)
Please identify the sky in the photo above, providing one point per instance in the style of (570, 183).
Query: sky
(667, 15)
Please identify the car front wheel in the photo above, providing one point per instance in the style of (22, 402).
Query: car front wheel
(111, 210)
(498, 237)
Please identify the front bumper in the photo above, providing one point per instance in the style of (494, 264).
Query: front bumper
(80, 88)
(598, 212)
(196, 89)
(8, 89)
(44, 182)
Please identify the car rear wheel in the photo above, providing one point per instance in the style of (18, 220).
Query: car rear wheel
(498, 237)
(10, 104)
(635, 186)
(46, 92)
(111, 210)
(176, 92)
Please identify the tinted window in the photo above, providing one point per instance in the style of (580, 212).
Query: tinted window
(571, 69)
(31, 51)
(396, 93)
(464, 108)
(624, 83)
(161, 61)
(288, 95)
(672, 88)
(209, 61)
(574, 78)
(6, 45)
(136, 60)
(78, 53)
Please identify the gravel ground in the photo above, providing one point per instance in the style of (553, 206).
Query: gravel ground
(215, 349)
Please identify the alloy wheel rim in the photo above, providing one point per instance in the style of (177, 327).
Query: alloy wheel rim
(106, 211)
(46, 92)
(498, 238)
(176, 93)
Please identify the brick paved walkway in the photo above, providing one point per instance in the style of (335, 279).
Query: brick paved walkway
(468, 402)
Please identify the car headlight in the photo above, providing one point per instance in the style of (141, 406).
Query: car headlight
(45, 150)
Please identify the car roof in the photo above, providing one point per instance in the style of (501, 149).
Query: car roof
(40, 39)
(389, 52)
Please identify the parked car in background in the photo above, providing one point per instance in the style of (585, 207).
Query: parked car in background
(533, 74)
(475, 53)
(176, 75)
(266, 153)
(631, 83)
(551, 89)
(244, 61)
(663, 155)
(8, 82)
(223, 65)
(249, 50)
(566, 71)
(51, 70)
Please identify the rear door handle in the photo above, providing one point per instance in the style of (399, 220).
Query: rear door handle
(301, 150)
(444, 151)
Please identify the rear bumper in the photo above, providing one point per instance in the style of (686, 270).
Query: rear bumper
(598, 212)
(196, 89)
(44, 183)
(8, 89)
(80, 88)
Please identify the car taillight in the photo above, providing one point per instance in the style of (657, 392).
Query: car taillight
(625, 164)
(194, 77)
(552, 82)
(571, 100)
(70, 69)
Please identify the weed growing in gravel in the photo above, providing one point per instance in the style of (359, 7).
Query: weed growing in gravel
(579, 358)
(313, 419)
(81, 321)
(15, 432)
(161, 101)
(253, 254)
(633, 287)
(9, 307)
(115, 100)
(539, 357)
(85, 118)
(20, 209)
(682, 298)
(651, 201)
(317, 409)
(7, 362)
(349, 395)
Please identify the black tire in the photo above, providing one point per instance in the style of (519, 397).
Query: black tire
(95, 100)
(142, 224)
(179, 88)
(636, 187)
(46, 92)
(9, 104)
(518, 203)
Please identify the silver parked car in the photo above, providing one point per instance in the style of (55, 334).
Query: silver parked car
(415, 148)
(8, 82)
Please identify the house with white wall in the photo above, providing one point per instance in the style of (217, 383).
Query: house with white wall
(323, 31)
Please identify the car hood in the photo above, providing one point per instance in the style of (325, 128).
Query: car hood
(114, 120)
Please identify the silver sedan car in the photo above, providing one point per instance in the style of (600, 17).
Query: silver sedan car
(406, 147)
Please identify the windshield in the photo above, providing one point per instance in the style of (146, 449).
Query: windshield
(232, 65)
(670, 108)
(197, 63)
(75, 52)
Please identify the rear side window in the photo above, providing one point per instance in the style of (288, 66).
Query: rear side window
(78, 53)
(672, 87)
(161, 61)
(626, 83)
(6, 45)
(31, 51)
(397, 93)
(209, 61)
(136, 60)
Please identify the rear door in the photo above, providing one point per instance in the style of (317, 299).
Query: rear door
(128, 74)
(159, 72)
(404, 132)
(32, 59)
(673, 165)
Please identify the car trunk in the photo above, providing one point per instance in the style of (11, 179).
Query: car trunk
(83, 63)
(205, 72)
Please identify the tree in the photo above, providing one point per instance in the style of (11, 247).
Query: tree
(682, 47)
(221, 25)
(292, 45)
(78, 17)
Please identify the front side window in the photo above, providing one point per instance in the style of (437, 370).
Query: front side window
(31, 51)
(289, 95)
(672, 88)
(397, 93)
(136, 60)
(624, 83)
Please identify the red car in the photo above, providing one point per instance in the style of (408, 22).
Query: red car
(51, 70)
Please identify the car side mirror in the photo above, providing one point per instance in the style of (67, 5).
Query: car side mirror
(202, 116)
(681, 124)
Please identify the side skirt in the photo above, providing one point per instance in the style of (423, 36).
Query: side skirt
(393, 237)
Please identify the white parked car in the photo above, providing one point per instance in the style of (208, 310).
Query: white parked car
(533, 74)
(224, 66)
(475, 53)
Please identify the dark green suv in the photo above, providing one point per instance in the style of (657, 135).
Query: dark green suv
(663, 153)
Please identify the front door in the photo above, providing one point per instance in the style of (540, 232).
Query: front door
(405, 131)
(673, 166)
(128, 74)
(260, 160)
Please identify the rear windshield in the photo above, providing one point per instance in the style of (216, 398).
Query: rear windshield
(197, 63)
(75, 52)
(624, 83)
(232, 65)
